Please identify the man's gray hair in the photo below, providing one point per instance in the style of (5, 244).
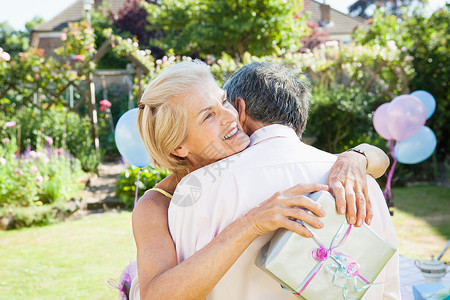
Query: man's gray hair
(272, 94)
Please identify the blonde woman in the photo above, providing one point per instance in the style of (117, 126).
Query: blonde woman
(187, 123)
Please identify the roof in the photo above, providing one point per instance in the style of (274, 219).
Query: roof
(342, 23)
(74, 13)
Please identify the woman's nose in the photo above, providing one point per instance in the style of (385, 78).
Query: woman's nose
(228, 115)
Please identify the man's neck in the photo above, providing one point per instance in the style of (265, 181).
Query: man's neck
(252, 125)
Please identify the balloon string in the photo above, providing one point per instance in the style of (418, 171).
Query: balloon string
(137, 186)
(387, 191)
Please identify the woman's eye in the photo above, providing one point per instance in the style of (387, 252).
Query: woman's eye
(225, 102)
(208, 116)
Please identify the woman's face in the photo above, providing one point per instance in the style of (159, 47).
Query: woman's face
(213, 129)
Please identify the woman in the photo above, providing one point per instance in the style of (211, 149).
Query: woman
(182, 113)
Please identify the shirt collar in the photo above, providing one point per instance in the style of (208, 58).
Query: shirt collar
(271, 131)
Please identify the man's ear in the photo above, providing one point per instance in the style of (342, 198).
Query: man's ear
(239, 103)
(180, 151)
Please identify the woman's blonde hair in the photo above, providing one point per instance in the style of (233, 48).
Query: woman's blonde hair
(162, 122)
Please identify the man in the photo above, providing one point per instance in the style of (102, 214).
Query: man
(272, 105)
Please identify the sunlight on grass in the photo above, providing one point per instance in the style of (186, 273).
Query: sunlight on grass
(71, 260)
(422, 221)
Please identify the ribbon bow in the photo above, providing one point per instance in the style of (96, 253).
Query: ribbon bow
(322, 254)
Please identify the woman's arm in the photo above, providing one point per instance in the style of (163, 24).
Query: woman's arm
(160, 277)
(348, 183)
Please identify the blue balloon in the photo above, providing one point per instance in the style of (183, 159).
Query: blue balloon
(129, 142)
(416, 148)
(427, 100)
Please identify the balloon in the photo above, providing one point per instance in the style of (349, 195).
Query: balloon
(129, 142)
(416, 148)
(380, 118)
(406, 115)
(428, 101)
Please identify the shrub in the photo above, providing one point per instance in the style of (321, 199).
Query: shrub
(126, 186)
(34, 178)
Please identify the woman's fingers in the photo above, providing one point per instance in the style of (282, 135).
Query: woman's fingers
(337, 189)
(304, 216)
(300, 202)
(351, 203)
(297, 228)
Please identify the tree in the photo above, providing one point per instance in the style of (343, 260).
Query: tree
(132, 18)
(16, 41)
(203, 27)
(365, 8)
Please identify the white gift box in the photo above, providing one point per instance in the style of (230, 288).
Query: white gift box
(340, 262)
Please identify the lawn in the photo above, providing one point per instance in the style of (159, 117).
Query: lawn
(71, 260)
(74, 260)
(422, 221)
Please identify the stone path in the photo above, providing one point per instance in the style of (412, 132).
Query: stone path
(101, 189)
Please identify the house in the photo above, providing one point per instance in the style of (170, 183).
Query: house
(338, 25)
(47, 35)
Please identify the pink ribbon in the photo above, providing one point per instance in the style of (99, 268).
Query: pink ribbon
(321, 254)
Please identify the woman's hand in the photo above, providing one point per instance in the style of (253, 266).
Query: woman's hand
(282, 208)
(348, 183)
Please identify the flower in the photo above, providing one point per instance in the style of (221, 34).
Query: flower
(6, 140)
(39, 179)
(59, 151)
(4, 55)
(33, 169)
(10, 124)
(89, 47)
(19, 171)
(63, 36)
(103, 108)
(105, 103)
(79, 57)
(49, 140)
(2, 161)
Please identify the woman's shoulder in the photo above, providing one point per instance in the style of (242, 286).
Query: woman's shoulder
(151, 202)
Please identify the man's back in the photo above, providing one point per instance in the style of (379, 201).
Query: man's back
(223, 191)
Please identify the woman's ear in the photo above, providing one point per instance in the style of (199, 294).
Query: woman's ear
(239, 103)
(180, 151)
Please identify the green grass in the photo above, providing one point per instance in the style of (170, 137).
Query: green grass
(71, 260)
(422, 220)
(74, 260)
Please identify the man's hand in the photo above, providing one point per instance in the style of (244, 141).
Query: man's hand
(348, 183)
(283, 208)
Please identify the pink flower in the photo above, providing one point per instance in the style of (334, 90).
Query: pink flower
(63, 36)
(10, 124)
(89, 47)
(59, 151)
(37, 76)
(49, 140)
(103, 108)
(39, 179)
(6, 140)
(33, 169)
(19, 171)
(105, 103)
(79, 57)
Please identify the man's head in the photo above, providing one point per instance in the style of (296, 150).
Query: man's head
(270, 94)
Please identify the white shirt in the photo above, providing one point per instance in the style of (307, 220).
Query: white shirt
(209, 199)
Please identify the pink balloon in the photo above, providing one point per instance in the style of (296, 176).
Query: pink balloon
(380, 119)
(406, 115)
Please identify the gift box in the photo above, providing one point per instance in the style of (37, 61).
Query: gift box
(431, 291)
(340, 262)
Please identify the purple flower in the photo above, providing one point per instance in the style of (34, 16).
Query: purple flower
(6, 140)
(39, 179)
(49, 140)
(10, 124)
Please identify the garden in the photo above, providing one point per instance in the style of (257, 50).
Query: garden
(55, 132)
